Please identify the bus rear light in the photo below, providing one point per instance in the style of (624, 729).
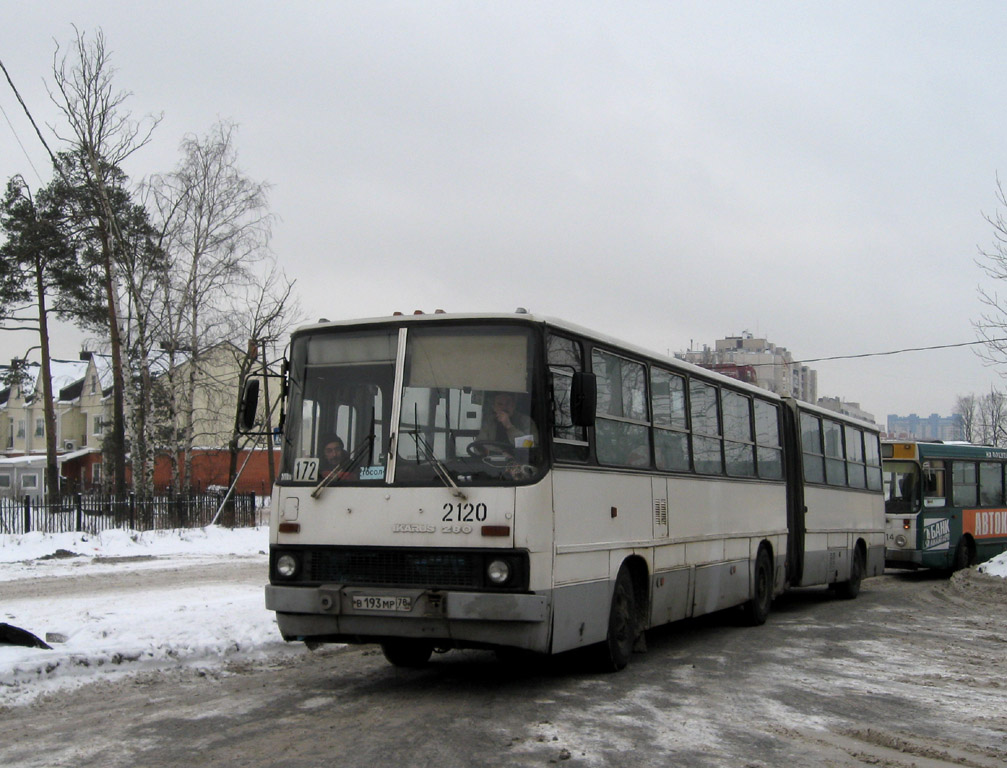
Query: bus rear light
(906, 524)
(290, 528)
(496, 530)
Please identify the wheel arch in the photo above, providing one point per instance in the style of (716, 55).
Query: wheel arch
(639, 573)
(968, 543)
(861, 544)
(766, 545)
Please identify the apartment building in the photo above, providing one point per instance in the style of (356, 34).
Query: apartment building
(773, 366)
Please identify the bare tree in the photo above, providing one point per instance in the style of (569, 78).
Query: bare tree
(993, 419)
(215, 226)
(269, 311)
(965, 409)
(102, 134)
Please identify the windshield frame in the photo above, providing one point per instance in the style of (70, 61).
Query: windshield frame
(345, 416)
(442, 468)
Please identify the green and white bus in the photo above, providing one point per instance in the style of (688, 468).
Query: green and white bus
(509, 481)
(944, 504)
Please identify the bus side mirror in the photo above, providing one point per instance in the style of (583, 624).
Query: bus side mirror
(249, 405)
(583, 399)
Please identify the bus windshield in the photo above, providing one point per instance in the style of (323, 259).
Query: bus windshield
(902, 487)
(340, 406)
(468, 407)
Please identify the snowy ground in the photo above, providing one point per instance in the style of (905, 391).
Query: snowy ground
(995, 567)
(121, 619)
(112, 626)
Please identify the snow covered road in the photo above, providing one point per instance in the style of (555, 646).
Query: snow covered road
(112, 605)
(909, 674)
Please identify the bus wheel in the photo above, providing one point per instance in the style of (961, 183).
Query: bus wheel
(613, 654)
(963, 555)
(407, 653)
(848, 590)
(757, 608)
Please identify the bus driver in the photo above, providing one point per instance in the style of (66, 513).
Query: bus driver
(506, 424)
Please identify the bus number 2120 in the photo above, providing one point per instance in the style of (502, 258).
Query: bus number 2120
(464, 513)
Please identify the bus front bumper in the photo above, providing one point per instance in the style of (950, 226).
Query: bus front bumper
(334, 613)
(339, 600)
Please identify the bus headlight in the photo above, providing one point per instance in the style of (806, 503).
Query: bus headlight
(900, 540)
(286, 566)
(498, 572)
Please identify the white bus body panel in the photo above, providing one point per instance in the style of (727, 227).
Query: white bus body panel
(698, 537)
(835, 519)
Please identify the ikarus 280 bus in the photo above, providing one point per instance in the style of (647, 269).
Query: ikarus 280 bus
(509, 481)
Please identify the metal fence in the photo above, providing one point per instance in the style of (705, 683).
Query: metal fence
(95, 513)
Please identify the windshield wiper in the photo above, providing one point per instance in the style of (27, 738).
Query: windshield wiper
(439, 469)
(343, 467)
(347, 465)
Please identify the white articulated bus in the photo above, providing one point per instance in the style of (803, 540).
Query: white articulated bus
(512, 481)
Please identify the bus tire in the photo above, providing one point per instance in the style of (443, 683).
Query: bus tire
(847, 590)
(758, 607)
(963, 555)
(407, 653)
(614, 652)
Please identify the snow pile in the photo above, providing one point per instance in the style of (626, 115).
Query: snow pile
(33, 550)
(995, 567)
(100, 629)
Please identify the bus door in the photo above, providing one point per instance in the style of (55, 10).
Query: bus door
(796, 509)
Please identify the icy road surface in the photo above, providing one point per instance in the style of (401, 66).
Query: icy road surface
(170, 659)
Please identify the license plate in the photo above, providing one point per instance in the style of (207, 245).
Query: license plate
(381, 603)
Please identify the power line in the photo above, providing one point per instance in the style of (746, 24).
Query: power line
(17, 138)
(895, 351)
(30, 118)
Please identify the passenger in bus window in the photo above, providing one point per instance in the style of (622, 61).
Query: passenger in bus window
(505, 424)
(333, 455)
(908, 487)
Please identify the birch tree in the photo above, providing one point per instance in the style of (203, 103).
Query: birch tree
(215, 224)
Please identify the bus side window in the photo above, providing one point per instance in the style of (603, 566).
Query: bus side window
(835, 465)
(872, 451)
(769, 453)
(814, 456)
(739, 441)
(965, 490)
(991, 484)
(856, 468)
(565, 358)
(671, 426)
(707, 442)
(933, 484)
(622, 430)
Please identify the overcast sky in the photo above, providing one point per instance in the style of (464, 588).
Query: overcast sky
(668, 173)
